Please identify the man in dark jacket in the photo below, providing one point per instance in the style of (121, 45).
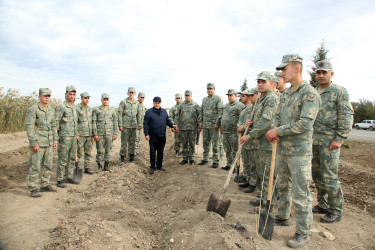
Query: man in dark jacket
(155, 123)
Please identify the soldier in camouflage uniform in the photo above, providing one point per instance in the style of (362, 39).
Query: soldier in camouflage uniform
(294, 121)
(187, 116)
(104, 130)
(281, 84)
(262, 122)
(228, 126)
(66, 120)
(332, 126)
(172, 115)
(141, 98)
(41, 133)
(84, 113)
(211, 111)
(129, 121)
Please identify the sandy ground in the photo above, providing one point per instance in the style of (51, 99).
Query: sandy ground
(127, 208)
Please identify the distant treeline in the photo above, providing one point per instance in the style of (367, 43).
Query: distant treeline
(364, 110)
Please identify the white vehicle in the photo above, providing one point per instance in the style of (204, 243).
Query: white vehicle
(366, 124)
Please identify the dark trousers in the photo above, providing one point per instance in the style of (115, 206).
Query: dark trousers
(157, 145)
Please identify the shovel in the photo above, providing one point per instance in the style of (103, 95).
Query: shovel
(77, 173)
(266, 220)
(219, 203)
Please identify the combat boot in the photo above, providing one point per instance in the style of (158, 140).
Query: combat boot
(249, 190)
(88, 171)
(122, 160)
(61, 184)
(72, 181)
(47, 188)
(282, 222)
(99, 168)
(299, 240)
(106, 166)
(203, 162)
(215, 165)
(131, 158)
(35, 193)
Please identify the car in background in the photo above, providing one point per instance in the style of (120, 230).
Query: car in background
(366, 124)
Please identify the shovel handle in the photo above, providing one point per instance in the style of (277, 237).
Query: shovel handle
(272, 171)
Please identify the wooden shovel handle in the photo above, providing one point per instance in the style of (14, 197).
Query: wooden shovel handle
(272, 171)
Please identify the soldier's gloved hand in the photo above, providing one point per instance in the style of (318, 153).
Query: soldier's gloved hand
(114, 137)
(35, 149)
(96, 138)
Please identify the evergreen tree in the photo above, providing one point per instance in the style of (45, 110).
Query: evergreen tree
(320, 54)
(244, 85)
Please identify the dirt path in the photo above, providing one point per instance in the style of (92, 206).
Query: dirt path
(129, 209)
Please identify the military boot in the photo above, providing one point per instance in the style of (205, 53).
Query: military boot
(99, 168)
(131, 158)
(106, 166)
(61, 184)
(35, 193)
(299, 240)
(122, 160)
(88, 171)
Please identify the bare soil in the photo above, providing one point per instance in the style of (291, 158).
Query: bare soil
(127, 208)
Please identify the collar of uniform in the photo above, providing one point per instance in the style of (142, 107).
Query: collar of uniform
(188, 102)
(299, 86)
(128, 100)
(101, 107)
(69, 105)
(233, 103)
(41, 107)
(328, 88)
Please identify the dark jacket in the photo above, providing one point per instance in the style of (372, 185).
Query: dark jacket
(156, 122)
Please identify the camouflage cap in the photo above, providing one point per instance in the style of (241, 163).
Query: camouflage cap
(277, 74)
(253, 91)
(71, 88)
(131, 90)
(245, 92)
(231, 91)
(85, 94)
(188, 92)
(288, 59)
(45, 91)
(265, 75)
(324, 65)
(141, 94)
(210, 85)
(275, 79)
(178, 95)
(105, 95)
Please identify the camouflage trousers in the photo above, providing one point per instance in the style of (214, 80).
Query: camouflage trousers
(128, 137)
(84, 151)
(211, 137)
(138, 140)
(325, 166)
(41, 166)
(221, 146)
(103, 147)
(230, 142)
(177, 142)
(67, 153)
(293, 186)
(188, 138)
(249, 166)
(263, 160)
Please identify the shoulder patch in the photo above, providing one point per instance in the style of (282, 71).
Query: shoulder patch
(311, 97)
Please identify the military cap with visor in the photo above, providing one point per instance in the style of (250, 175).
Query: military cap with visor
(178, 95)
(288, 59)
(188, 92)
(253, 91)
(45, 91)
(210, 85)
(265, 75)
(105, 95)
(245, 92)
(71, 88)
(231, 91)
(131, 90)
(141, 94)
(85, 94)
(324, 65)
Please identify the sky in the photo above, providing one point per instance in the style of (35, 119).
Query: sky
(165, 47)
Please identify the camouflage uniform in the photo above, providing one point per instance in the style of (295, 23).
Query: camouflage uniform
(40, 132)
(172, 115)
(85, 135)
(294, 120)
(228, 123)
(187, 117)
(143, 110)
(211, 110)
(66, 120)
(104, 125)
(333, 123)
(129, 117)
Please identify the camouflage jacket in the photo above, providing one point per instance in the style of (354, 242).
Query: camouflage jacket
(231, 113)
(172, 113)
(245, 115)
(40, 126)
(129, 114)
(187, 115)
(66, 120)
(263, 120)
(295, 119)
(84, 120)
(335, 117)
(143, 110)
(211, 111)
(104, 121)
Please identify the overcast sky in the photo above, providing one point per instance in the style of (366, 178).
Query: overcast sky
(165, 47)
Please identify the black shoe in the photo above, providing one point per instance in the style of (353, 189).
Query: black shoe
(152, 170)
(192, 162)
(240, 179)
(161, 169)
(35, 193)
(122, 160)
(256, 203)
(183, 162)
(225, 168)
(244, 185)
(215, 165)
(72, 181)
(99, 167)
(282, 222)
(318, 210)
(106, 166)
(131, 158)
(249, 190)
(61, 184)
(330, 218)
(299, 240)
(258, 195)
(203, 162)
(88, 171)
(47, 188)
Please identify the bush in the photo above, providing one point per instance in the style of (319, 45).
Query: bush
(363, 110)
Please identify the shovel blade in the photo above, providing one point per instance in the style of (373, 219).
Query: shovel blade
(218, 206)
(77, 173)
(266, 225)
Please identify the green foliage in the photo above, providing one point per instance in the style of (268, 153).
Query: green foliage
(13, 109)
(244, 85)
(320, 54)
(364, 110)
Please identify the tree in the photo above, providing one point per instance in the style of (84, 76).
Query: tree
(320, 54)
(363, 110)
(244, 85)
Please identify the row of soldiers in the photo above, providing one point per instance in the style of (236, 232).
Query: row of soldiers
(309, 125)
(71, 129)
